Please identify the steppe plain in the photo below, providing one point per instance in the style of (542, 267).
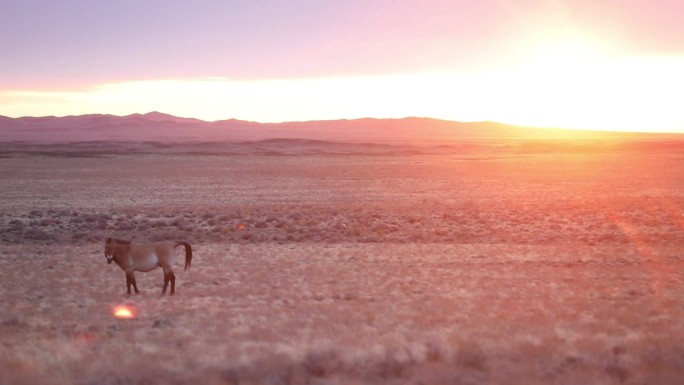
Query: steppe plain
(319, 268)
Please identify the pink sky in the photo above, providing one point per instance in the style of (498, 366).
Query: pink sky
(58, 53)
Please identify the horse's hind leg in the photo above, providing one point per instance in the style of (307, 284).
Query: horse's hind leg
(172, 278)
(169, 277)
(166, 282)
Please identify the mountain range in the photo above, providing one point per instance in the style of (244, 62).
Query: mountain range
(155, 132)
(165, 128)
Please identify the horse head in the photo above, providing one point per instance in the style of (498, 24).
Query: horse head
(114, 247)
(109, 250)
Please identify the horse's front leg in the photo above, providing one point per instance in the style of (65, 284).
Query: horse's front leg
(128, 283)
(130, 280)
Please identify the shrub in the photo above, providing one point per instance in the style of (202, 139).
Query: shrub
(35, 213)
(37, 235)
(322, 363)
(271, 219)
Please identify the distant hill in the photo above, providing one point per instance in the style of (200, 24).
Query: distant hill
(159, 127)
(161, 117)
(155, 132)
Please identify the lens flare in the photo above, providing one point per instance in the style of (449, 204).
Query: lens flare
(123, 312)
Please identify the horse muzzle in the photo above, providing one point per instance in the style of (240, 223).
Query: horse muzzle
(109, 261)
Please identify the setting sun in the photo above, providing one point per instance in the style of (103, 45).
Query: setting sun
(576, 81)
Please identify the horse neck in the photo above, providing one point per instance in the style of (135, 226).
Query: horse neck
(120, 251)
(123, 247)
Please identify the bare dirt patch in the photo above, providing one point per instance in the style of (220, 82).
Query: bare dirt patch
(347, 269)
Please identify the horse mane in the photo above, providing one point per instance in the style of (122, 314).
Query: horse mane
(118, 241)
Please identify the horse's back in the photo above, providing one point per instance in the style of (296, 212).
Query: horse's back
(148, 256)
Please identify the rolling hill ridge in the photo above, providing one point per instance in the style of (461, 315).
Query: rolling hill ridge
(155, 126)
(155, 132)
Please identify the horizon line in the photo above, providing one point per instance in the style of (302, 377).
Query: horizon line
(598, 130)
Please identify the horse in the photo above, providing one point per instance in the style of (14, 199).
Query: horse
(146, 257)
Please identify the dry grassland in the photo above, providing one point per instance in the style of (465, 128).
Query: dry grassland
(334, 269)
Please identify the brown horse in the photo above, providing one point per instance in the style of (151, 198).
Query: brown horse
(146, 257)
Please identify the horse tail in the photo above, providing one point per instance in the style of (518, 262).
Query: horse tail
(188, 253)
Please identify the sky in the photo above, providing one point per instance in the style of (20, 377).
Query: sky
(587, 64)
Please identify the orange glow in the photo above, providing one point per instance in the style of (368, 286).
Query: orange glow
(124, 312)
(240, 227)
(566, 82)
(592, 65)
